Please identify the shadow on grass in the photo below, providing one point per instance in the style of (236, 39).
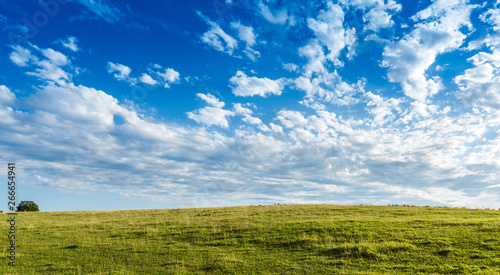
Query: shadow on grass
(351, 252)
(71, 247)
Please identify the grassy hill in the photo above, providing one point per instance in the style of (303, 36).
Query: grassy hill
(274, 239)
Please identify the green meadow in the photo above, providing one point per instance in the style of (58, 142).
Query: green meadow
(271, 239)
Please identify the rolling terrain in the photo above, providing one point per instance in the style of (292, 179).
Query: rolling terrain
(270, 239)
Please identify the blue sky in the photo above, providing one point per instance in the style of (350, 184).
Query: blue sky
(165, 104)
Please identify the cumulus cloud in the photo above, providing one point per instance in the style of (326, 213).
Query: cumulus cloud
(316, 58)
(170, 75)
(408, 59)
(216, 115)
(55, 57)
(247, 116)
(279, 17)
(247, 35)
(48, 66)
(121, 72)
(21, 56)
(211, 115)
(329, 29)
(243, 85)
(291, 119)
(167, 76)
(6, 96)
(383, 108)
(480, 86)
(70, 43)
(492, 17)
(157, 75)
(220, 40)
(146, 78)
(211, 100)
(317, 156)
(330, 88)
(216, 38)
(290, 67)
(378, 13)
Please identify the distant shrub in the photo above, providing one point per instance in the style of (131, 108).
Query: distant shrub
(27, 206)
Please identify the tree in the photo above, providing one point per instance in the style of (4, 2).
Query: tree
(27, 206)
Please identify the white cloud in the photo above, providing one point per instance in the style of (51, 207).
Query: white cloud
(492, 16)
(170, 75)
(6, 96)
(382, 108)
(480, 86)
(329, 87)
(221, 41)
(409, 58)
(378, 14)
(290, 67)
(56, 58)
(240, 110)
(243, 85)
(291, 119)
(157, 75)
(103, 10)
(211, 100)
(329, 29)
(21, 56)
(121, 72)
(211, 115)
(70, 43)
(44, 69)
(215, 115)
(145, 78)
(279, 17)
(247, 115)
(217, 38)
(316, 57)
(67, 102)
(245, 33)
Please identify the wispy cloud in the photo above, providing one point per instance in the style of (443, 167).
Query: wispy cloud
(102, 9)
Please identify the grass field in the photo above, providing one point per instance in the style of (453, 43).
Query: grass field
(273, 239)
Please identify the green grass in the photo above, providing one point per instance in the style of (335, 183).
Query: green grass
(274, 239)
